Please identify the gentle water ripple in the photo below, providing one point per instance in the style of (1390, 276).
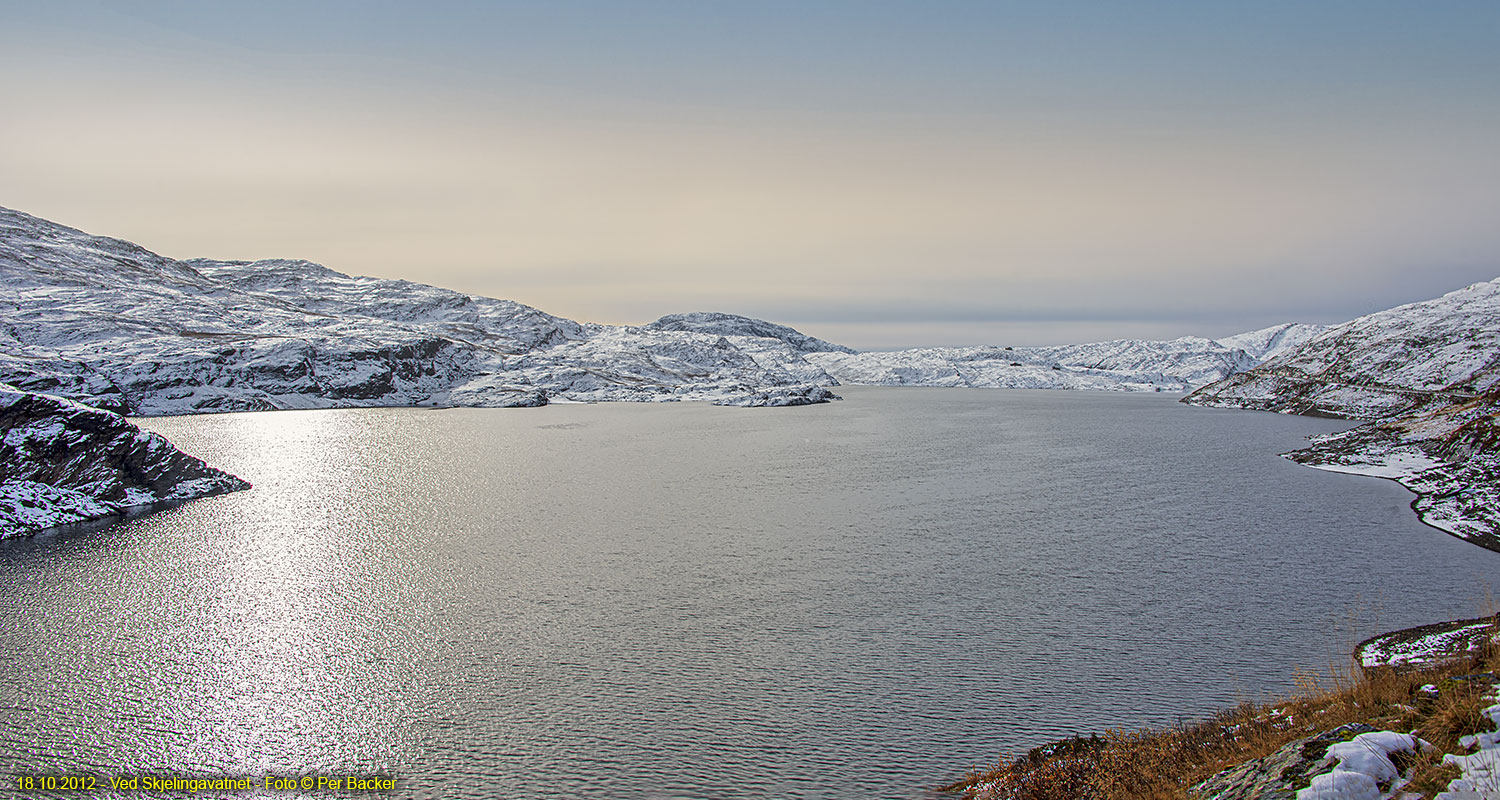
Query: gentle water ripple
(615, 601)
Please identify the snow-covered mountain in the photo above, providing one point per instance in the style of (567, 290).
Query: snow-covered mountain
(63, 462)
(1428, 375)
(1119, 365)
(114, 325)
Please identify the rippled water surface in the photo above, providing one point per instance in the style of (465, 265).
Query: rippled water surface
(853, 600)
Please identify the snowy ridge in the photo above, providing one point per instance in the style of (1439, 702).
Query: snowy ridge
(1391, 362)
(1364, 770)
(1268, 343)
(109, 323)
(63, 462)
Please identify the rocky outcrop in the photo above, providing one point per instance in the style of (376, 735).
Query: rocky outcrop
(1427, 645)
(1446, 454)
(62, 462)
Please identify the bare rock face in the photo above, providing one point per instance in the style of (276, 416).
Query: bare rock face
(62, 462)
(1279, 775)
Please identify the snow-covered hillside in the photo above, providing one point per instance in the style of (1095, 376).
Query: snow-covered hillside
(111, 324)
(1391, 362)
(1119, 365)
(62, 462)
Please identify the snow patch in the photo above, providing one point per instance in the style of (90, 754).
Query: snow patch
(1364, 764)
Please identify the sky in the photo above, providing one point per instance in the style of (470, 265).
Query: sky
(880, 174)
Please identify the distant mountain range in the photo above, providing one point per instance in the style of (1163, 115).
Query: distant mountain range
(1119, 365)
(109, 323)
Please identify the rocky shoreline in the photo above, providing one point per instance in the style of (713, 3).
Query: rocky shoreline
(1426, 379)
(63, 462)
(1448, 456)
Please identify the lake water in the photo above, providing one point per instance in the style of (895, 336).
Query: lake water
(854, 600)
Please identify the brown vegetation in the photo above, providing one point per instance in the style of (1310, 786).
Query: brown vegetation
(1162, 764)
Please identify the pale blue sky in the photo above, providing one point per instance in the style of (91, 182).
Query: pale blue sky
(877, 173)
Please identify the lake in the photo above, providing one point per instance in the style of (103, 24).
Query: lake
(854, 600)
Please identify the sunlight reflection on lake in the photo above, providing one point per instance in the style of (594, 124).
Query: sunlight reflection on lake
(636, 602)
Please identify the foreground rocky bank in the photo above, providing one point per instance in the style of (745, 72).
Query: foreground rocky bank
(1420, 720)
(62, 462)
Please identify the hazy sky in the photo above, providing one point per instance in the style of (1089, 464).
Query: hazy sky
(882, 174)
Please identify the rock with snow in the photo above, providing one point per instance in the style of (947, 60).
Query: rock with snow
(112, 324)
(1281, 774)
(63, 462)
(784, 396)
(1350, 762)
(1427, 645)
(1364, 770)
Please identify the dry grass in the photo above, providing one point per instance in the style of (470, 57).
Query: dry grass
(1161, 764)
